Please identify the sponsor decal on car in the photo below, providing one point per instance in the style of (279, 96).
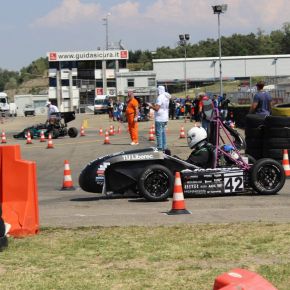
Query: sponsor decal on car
(209, 182)
(101, 169)
(130, 157)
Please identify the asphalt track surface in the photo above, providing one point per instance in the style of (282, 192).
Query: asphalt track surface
(78, 208)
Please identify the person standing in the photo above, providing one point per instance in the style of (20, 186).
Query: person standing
(132, 111)
(224, 106)
(205, 110)
(52, 111)
(262, 101)
(172, 108)
(161, 108)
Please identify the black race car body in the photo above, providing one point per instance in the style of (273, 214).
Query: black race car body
(58, 128)
(150, 173)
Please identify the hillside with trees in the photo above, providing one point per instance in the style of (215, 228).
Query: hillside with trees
(34, 78)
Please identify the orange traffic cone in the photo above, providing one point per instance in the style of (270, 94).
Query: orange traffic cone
(101, 132)
(153, 129)
(107, 140)
(178, 203)
(151, 136)
(111, 131)
(67, 180)
(28, 138)
(49, 144)
(3, 139)
(182, 133)
(119, 130)
(42, 138)
(285, 163)
(82, 131)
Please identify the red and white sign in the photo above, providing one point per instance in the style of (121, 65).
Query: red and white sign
(124, 54)
(99, 91)
(88, 55)
(52, 56)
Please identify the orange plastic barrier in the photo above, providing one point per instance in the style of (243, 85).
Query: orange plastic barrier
(18, 192)
(237, 279)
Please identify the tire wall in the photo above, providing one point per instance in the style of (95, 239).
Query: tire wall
(267, 137)
(239, 114)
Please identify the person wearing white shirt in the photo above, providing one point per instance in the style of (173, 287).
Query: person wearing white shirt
(161, 108)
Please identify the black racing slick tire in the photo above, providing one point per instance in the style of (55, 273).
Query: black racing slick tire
(156, 183)
(72, 132)
(267, 176)
(277, 121)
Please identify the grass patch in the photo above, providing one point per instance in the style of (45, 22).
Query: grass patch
(179, 257)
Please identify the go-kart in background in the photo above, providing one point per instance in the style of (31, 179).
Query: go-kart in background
(79, 208)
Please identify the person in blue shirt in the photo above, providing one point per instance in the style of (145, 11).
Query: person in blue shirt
(262, 101)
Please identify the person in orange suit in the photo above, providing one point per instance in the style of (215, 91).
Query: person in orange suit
(132, 112)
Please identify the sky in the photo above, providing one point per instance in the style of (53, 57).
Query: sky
(31, 28)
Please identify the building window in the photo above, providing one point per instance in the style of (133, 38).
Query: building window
(151, 82)
(54, 64)
(130, 83)
(122, 63)
(98, 64)
(99, 83)
(111, 64)
(64, 83)
(86, 64)
(52, 82)
(111, 83)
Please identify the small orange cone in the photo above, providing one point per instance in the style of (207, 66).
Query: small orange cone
(101, 132)
(82, 131)
(111, 131)
(49, 144)
(151, 136)
(178, 203)
(182, 133)
(42, 138)
(3, 139)
(153, 129)
(119, 130)
(285, 163)
(107, 140)
(67, 179)
(28, 138)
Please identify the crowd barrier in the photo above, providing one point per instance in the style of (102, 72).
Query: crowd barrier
(18, 192)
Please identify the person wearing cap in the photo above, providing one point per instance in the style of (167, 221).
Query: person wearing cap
(161, 108)
(52, 112)
(262, 101)
(132, 111)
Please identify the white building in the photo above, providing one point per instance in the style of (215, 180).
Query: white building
(207, 68)
(76, 77)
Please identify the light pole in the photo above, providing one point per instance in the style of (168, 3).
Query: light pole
(183, 39)
(106, 23)
(275, 63)
(218, 9)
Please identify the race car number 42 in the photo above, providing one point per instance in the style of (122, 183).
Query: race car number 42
(233, 183)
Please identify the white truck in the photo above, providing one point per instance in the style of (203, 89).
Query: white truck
(101, 104)
(4, 105)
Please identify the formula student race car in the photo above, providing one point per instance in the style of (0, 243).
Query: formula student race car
(150, 173)
(57, 127)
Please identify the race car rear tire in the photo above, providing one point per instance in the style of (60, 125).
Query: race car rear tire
(267, 176)
(72, 132)
(156, 183)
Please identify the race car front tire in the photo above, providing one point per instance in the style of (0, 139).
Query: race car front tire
(156, 183)
(267, 176)
(72, 132)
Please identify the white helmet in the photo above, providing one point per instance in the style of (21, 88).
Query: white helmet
(195, 135)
